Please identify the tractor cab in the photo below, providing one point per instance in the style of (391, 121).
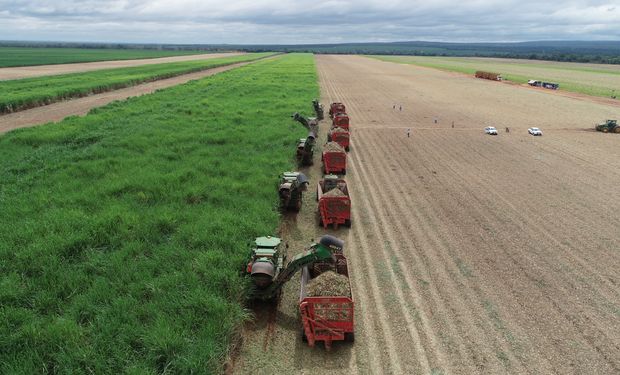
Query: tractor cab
(294, 178)
(266, 261)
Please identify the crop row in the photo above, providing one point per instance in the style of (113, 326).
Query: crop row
(24, 56)
(26, 93)
(123, 233)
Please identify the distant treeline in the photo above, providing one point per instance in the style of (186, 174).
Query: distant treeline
(607, 52)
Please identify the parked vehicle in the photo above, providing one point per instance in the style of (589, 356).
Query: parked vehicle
(534, 131)
(490, 130)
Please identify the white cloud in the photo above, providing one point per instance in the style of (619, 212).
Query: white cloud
(306, 21)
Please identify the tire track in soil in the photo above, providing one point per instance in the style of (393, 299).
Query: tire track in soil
(512, 289)
(330, 94)
(360, 119)
(525, 270)
(433, 260)
(571, 317)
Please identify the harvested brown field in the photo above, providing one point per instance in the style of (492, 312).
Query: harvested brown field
(328, 284)
(49, 70)
(470, 253)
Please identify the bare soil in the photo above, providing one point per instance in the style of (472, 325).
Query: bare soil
(48, 70)
(81, 106)
(468, 253)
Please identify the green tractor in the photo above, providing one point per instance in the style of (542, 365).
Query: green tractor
(305, 149)
(268, 267)
(610, 126)
(291, 188)
(318, 109)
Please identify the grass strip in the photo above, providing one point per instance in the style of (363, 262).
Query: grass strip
(29, 56)
(20, 94)
(123, 232)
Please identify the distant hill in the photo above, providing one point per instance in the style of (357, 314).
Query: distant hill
(576, 51)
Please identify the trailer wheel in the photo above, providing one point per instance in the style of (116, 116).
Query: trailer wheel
(304, 338)
(349, 337)
(347, 223)
(344, 171)
(347, 149)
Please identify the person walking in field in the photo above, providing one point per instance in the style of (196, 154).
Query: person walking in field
(408, 132)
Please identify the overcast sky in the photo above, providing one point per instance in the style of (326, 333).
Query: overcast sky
(307, 21)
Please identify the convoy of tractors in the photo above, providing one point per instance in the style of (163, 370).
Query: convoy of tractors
(326, 310)
(326, 313)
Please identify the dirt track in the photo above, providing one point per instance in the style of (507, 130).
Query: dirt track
(81, 106)
(48, 70)
(469, 253)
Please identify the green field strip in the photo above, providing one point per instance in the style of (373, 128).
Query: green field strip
(28, 56)
(124, 232)
(20, 94)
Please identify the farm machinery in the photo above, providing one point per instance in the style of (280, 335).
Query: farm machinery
(326, 318)
(336, 108)
(305, 149)
(340, 136)
(334, 159)
(310, 123)
(269, 269)
(318, 109)
(610, 126)
(291, 188)
(334, 202)
(488, 75)
(340, 120)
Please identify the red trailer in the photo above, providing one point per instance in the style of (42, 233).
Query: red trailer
(340, 136)
(329, 318)
(334, 159)
(335, 108)
(341, 120)
(334, 202)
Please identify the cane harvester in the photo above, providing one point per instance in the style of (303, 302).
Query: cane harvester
(291, 188)
(610, 126)
(335, 108)
(326, 302)
(334, 202)
(310, 123)
(334, 159)
(305, 149)
(269, 268)
(339, 135)
(318, 109)
(341, 120)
